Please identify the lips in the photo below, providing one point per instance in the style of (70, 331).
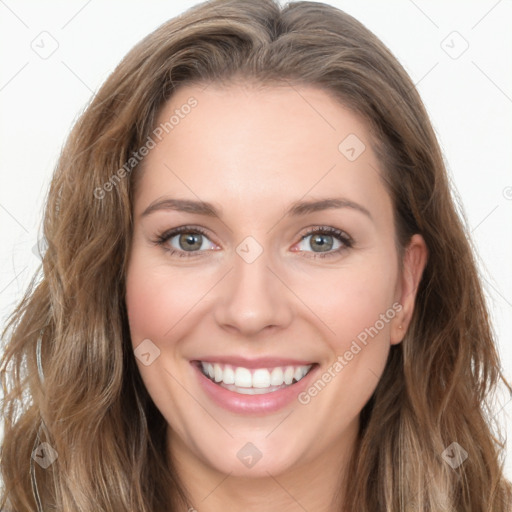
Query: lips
(259, 386)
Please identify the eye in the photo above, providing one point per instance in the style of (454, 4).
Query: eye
(323, 238)
(189, 240)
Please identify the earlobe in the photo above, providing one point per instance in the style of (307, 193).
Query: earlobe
(414, 262)
(397, 334)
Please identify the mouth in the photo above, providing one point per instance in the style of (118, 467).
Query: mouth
(253, 381)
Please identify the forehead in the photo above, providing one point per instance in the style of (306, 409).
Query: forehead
(250, 146)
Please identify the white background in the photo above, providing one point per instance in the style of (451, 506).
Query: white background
(469, 99)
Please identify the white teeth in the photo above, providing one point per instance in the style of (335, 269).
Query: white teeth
(243, 378)
(277, 377)
(217, 371)
(288, 375)
(228, 376)
(261, 379)
(251, 381)
(251, 391)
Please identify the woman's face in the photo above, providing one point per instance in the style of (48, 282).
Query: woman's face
(290, 303)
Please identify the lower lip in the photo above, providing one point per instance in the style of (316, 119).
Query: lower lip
(253, 404)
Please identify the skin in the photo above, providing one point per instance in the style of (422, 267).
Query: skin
(253, 151)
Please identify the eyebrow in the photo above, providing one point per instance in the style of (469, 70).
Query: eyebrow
(297, 208)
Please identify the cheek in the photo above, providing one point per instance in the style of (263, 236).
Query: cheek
(146, 310)
(359, 316)
(156, 299)
(354, 300)
(157, 313)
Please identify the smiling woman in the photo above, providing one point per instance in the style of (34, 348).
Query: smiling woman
(257, 293)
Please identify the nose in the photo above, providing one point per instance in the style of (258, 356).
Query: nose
(253, 297)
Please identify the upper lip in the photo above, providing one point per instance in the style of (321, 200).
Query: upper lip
(261, 362)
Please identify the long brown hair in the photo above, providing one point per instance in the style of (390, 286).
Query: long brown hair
(84, 396)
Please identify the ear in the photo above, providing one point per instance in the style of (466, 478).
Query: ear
(415, 260)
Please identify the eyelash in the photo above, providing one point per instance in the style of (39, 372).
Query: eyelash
(345, 239)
